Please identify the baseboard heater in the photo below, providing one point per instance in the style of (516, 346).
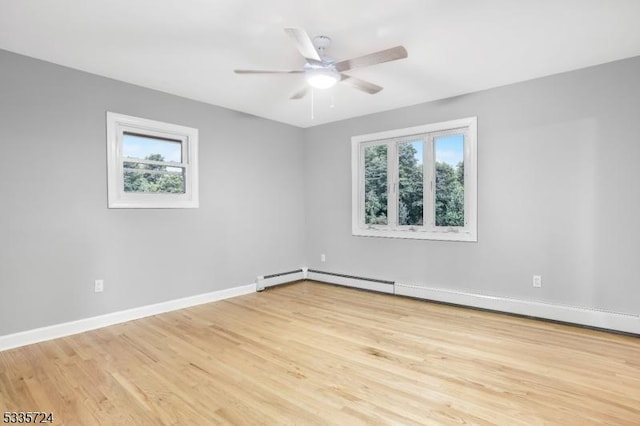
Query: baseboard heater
(265, 281)
(607, 320)
(383, 286)
(584, 316)
(589, 317)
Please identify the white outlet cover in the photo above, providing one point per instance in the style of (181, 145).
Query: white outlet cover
(99, 286)
(537, 280)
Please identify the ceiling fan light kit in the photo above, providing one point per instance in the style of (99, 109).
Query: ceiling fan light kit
(322, 72)
(322, 78)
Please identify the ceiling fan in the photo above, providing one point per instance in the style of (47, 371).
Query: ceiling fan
(322, 72)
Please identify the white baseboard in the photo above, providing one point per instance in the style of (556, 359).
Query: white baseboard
(629, 323)
(68, 328)
(617, 321)
(347, 281)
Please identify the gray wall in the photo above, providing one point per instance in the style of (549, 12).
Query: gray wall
(558, 175)
(57, 234)
(557, 193)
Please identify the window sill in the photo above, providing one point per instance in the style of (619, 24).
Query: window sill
(464, 236)
(153, 205)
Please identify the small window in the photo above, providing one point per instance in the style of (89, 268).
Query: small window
(416, 183)
(151, 164)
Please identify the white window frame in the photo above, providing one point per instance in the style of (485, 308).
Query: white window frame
(117, 126)
(427, 231)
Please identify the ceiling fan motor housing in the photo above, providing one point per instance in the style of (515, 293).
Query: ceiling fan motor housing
(321, 43)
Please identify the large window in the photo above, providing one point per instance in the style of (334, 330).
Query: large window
(151, 164)
(418, 182)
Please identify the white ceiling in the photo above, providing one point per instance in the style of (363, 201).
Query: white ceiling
(190, 47)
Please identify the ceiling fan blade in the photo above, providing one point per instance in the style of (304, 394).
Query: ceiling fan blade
(398, 52)
(268, 71)
(359, 84)
(303, 44)
(300, 93)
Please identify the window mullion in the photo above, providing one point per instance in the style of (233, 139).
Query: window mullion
(118, 163)
(429, 184)
(467, 165)
(186, 158)
(392, 179)
(361, 187)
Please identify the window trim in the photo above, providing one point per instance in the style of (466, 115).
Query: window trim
(117, 126)
(428, 231)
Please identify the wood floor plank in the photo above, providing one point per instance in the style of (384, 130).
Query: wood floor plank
(311, 353)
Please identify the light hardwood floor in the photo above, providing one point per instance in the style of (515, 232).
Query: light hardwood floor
(311, 353)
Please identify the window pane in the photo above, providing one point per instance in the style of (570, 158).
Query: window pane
(449, 152)
(148, 148)
(375, 185)
(410, 187)
(153, 178)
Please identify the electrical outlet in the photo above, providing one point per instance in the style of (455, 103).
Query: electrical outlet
(99, 286)
(537, 280)
(323, 257)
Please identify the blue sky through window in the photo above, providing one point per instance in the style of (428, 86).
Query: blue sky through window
(419, 147)
(450, 149)
(135, 146)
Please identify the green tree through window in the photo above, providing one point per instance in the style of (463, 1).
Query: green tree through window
(375, 185)
(158, 178)
(449, 187)
(411, 184)
(449, 194)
